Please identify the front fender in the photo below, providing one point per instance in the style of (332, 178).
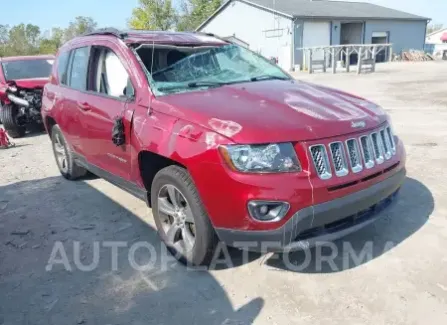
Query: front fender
(186, 143)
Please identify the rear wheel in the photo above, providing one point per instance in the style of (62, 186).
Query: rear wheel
(181, 220)
(64, 156)
(8, 115)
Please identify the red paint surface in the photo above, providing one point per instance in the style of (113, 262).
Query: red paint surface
(189, 127)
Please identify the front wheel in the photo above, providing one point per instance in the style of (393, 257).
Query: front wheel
(8, 115)
(181, 220)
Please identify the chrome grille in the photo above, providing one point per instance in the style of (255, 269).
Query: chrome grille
(367, 151)
(321, 161)
(378, 148)
(338, 158)
(386, 144)
(354, 155)
(364, 152)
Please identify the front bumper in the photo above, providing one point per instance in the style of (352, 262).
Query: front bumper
(322, 222)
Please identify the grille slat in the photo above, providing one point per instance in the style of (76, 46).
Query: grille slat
(338, 158)
(378, 149)
(386, 144)
(367, 151)
(321, 161)
(354, 155)
(390, 135)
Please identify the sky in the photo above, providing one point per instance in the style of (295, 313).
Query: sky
(115, 13)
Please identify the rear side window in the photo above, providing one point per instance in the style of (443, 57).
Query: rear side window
(79, 67)
(62, 62)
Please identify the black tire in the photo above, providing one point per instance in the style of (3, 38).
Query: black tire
(205, 237)
(8, 115)
(70, 170)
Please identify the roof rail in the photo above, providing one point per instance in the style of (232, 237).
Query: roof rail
(212, 35)
(108, 31)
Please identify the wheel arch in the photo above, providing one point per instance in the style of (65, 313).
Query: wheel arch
(49, 123)
(149, 164)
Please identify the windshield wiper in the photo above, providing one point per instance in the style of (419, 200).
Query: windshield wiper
(198, 84)
(268, 77)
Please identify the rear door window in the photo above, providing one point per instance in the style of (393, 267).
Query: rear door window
(79, 68)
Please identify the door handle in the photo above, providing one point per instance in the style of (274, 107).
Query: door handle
(84, 106)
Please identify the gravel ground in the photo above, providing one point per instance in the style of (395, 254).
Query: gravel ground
(403, 282)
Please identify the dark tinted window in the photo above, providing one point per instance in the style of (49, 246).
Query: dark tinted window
(27, 69)
(62, 62)
(79, 67)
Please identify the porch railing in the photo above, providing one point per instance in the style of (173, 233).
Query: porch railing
(327, 57)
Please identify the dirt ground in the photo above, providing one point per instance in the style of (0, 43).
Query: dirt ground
(404, 281)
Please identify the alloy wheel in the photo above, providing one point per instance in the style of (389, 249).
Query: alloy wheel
(60, 153)
(176, 218)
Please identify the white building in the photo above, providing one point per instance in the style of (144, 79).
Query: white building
(279, 28)
(438, 37)
(436, 43)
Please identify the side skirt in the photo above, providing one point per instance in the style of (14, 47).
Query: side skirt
(129, 187)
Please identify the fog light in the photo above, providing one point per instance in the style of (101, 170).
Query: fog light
(268, 211)
(264, 209)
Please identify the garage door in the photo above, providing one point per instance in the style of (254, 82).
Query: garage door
(317, 34)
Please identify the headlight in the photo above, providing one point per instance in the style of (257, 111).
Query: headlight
(270, 158)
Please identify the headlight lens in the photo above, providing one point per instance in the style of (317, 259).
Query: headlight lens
(269, 158)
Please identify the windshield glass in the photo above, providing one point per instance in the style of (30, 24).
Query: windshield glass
(181, 69)
(27, 69)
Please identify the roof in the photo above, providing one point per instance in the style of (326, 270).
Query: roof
(437, 32)
(28, 57)
(325, 9)
(148, 36)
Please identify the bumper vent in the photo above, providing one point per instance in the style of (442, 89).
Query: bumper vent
(367, 151)
(321, 161)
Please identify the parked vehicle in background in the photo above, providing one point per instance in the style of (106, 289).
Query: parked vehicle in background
(21, 86)
(220, 142)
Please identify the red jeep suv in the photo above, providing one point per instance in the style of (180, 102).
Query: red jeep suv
(222, 144)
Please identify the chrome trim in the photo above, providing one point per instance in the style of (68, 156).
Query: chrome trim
(328, 173)
(358, 167)
(344, 171)
(379, 158)
(368, 163)
(386, 144)
(282, 213)
(390, 134)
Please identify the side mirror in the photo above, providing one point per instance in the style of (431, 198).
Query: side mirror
(128, 91)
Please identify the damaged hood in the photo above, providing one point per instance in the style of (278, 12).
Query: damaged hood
(275, 111)
(31, 83)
